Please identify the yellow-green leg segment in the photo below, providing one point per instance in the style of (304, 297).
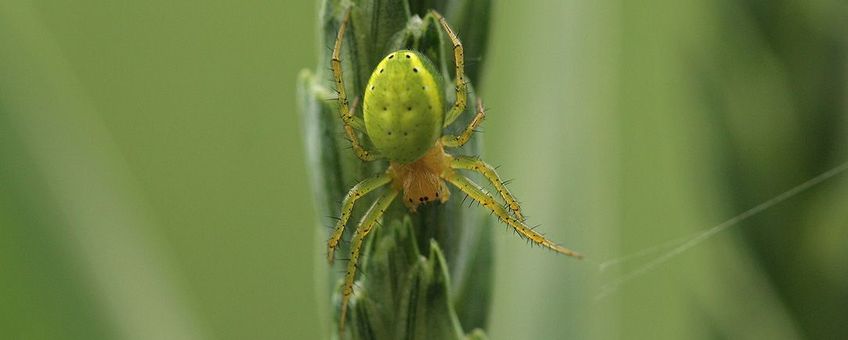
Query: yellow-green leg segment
(365, 226)
(480, 195)
(451, 141)
(358, 190)
(350, 121)
(477, 165)
(459, 61)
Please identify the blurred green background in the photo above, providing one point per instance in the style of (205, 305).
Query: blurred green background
(153, 184)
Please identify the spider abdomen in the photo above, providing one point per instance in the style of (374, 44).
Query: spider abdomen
(403, 106)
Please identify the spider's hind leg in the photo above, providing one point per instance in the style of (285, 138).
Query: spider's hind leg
(346, 110)
(459, 61)
(452, 141)
(350, 127)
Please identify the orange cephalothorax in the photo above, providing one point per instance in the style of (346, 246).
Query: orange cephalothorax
(421, 181)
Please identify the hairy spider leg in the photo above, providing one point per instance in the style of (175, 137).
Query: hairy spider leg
(459, 60)
(350, 121)
(360, 189)
(452, 141)
(480, 195)
(365, 226)
(477, 165)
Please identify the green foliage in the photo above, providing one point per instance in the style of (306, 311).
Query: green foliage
(418, 283)
(153, 185)
(457, 239)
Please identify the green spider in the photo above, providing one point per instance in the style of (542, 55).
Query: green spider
(404, 115)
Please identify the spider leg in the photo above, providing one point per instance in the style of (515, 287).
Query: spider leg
(365, 226)
(480, 195)
(345, 110)
(452, 141)
(461, 85)
(358, 190)
(477, 165)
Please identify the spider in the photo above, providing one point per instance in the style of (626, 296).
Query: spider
(404, 115)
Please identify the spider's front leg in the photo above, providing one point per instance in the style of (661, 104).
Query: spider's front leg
(345, 109)
(358, 190)
(475, 164)
(365, 226)
(480, 195)
(483, 168)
